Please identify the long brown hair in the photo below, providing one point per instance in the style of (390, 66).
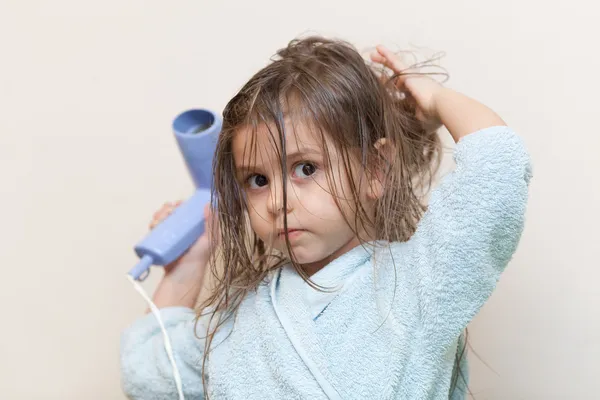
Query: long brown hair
(328, 85)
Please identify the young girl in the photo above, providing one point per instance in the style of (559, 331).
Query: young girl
(332, 279)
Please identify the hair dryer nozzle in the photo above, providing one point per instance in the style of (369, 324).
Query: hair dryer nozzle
(196, 132)
(196, 121)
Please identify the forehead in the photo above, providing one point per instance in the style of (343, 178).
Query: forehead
(262, 143)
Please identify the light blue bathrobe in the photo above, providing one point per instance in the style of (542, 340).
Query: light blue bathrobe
(393, 327)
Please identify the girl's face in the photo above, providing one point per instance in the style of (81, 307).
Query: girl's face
(317, 230)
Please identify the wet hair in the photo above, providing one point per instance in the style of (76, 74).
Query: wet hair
(351, 105)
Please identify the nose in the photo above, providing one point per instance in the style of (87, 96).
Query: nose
(275, 203)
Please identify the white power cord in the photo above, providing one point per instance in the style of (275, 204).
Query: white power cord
(168, 347)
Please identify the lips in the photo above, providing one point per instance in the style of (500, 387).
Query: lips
(291, 230)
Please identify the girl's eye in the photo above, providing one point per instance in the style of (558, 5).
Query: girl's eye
(259, 181)
(304, 170)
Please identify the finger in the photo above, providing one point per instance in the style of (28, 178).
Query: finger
(392, 60)
(161, 214)
(166, 205)
(381, 60)
(158, 212)
(378, 58)
(157, 220)
(164, 211)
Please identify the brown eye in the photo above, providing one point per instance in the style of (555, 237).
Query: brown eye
(259, 181)
(304, 170)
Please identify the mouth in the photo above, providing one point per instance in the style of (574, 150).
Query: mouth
(291, 232)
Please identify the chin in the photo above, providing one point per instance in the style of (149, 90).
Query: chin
(309, 256)
(302, 254)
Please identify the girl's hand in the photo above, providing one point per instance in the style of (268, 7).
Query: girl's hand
(183, 279)
(423, 89)
(193, 260)
(437, 105)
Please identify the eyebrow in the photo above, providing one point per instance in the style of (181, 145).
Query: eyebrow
(291, 156)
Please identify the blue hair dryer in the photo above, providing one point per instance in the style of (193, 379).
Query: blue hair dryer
(196, 133)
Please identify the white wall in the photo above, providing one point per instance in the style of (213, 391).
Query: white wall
(88, 91)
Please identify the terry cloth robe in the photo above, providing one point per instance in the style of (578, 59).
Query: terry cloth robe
(392, 323)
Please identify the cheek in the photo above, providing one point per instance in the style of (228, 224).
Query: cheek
(341, 192)
(254, 209)
(255, 200)
(323, 197)
(332, 201)
(258, 224)
(322, 203)
(316, 195)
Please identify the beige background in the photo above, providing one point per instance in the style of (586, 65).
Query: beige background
(88, 91)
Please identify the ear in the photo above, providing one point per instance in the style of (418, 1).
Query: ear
(380, 168)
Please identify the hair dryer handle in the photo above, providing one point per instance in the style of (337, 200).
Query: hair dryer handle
(173, 236)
